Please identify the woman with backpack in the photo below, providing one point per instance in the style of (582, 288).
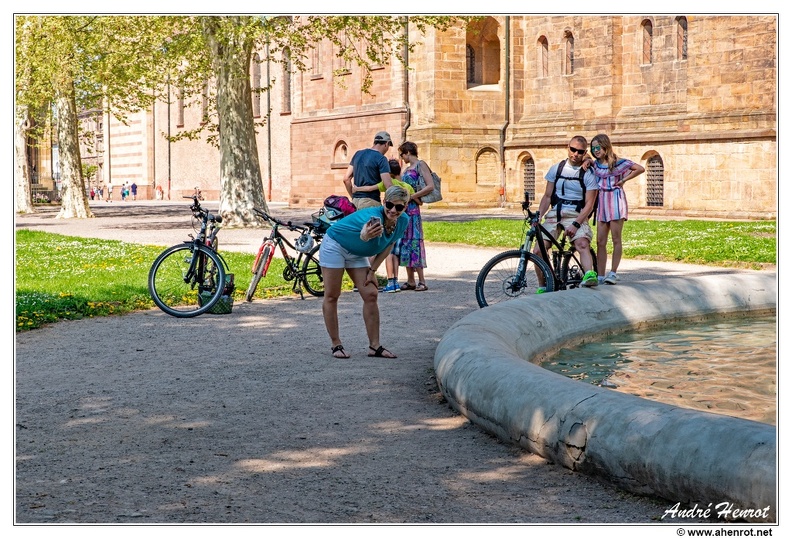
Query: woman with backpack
(612, 173)
(412, 252)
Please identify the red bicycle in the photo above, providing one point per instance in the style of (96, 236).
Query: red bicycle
(302, 268)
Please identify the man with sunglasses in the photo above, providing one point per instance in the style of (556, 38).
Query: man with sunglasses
(369, 167)
(571, 191)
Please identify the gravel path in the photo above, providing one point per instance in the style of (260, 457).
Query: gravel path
(245, 418)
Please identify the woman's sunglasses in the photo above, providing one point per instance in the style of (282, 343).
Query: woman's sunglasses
(390, 205)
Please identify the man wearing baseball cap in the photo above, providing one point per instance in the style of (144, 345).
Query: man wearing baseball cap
(369, 167)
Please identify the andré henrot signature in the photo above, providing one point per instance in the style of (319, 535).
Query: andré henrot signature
(722, 510)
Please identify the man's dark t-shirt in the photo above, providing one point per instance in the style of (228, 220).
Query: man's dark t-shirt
(367, 168)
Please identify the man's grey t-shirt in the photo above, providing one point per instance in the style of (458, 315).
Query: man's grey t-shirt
(569, 189)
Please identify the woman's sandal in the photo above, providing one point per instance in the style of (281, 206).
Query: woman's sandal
(380, 352)
(421, 287)
(407, 286)
(340, 348)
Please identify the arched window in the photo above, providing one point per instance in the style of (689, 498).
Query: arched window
(316, 68)
(654, 181)
(529, 178)
(256, 85)
(180, 108)
(681, 38)
(205, 102)
(287, 82)
(543, 57)
(483, 52)
(487, 169)
(341, 153)
(470, 57)
(647, 42)
(344, 64)
(569, 56)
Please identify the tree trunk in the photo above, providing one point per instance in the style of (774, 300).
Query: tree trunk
(23, 200)
(74, 199)
(241, 188)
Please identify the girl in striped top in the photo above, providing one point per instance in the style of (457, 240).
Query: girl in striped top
(612, 173)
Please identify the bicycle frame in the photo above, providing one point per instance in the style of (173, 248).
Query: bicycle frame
(559, 260)
(210, 223)
(293, 270)
(277, 239)
(196, 264)
(515, 272)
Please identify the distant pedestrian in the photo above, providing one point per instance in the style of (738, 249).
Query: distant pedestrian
(92, 193)
(134, 191)
(109, 193)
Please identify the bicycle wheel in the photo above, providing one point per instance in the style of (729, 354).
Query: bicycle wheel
(312, 274)
(499, 281)
(183, 281)
(572, 273)
(258, 273)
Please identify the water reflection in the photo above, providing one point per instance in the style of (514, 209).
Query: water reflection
(724, 366)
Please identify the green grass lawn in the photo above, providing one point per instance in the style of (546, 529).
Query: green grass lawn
(63, 277)
(732, 244)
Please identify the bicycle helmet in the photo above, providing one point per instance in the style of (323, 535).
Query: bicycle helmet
(304, 243)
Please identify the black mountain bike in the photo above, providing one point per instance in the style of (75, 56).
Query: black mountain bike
(514, 273)
(303, 269)
(188, 279)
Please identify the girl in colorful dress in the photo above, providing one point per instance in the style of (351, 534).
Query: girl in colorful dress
(412, 252)
(612, 173)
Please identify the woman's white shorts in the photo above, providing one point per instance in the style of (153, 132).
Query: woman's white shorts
(333, 255)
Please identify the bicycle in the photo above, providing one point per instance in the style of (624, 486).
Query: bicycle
(303, 269)
(511, 274)
(185, 279)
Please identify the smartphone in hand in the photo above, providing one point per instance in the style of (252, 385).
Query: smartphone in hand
(374, 221)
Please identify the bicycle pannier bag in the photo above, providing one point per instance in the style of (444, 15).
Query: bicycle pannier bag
(436, 194)
(341, 203)
(225, 304)
(325, 217)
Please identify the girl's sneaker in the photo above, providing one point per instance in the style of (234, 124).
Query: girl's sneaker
(392, 287)
(590, 279)
(611, 277)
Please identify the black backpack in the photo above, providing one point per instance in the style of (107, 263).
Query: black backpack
(555, 200)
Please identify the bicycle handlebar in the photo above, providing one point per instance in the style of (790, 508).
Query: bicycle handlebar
(288, 224)
(202, 213)
(526, 206)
